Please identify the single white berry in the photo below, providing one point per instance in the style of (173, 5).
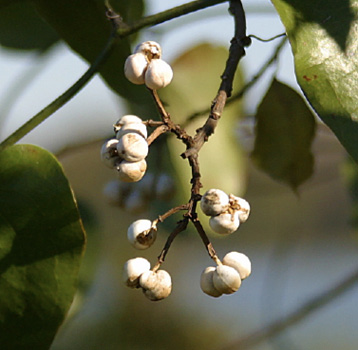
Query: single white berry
(225, 223)
(138, 128)
(240, 262)
(207, 284)
(241, 205)
(226, 279)
(141, 234)
(126, 119)
(164, 187)
(156, 285)
(214, 202)
(132, 147)
(158, 74)
(150, 49)
(135, 67)
(131, 171)
(133, 269)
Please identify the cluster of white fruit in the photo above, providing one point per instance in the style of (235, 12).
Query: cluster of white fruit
(226, 211)
(127, 151)
(156, 285)
(134, 198)
(226, 278)
(145, 66)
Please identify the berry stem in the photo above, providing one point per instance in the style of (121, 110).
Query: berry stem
(208, 245)
(180, 227)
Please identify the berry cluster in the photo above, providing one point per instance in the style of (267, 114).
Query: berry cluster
(226, 211)
(127, 152)
(145, 66)
(226, 277)
(156, 285)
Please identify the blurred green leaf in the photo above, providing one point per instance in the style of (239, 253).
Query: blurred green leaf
(196, 81)
(324, 38)
(21, 27)
(84, 26)
(285, 129)
(41, 247)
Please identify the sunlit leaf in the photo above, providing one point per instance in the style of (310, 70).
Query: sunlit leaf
(41, 246)
(324, 38)
(284, 133)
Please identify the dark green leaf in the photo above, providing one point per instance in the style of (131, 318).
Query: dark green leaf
(84, 26)
(324, 38)
(41, 246)
(284, 132)
(21, 27)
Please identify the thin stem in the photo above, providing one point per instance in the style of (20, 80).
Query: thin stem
(209, 247)
(236, 52)
(180, 228)
(296, 316)
(167, 15)
(272, 59)
(61, 100)
(122, 30)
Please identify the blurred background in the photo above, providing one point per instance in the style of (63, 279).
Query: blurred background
(300, 244)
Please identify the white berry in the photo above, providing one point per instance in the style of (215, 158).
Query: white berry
(138, 128)
(109, 154)
(156, 285)
(225, 223)
(126, 119)
(150, 49)
(135, 67)
(158, 74)
(132, 147)
(133, 269)
(226, 279)
(131, 171)
(214, 202)
(141, 234)
(240, 262)
(207, 284)
(241, 205)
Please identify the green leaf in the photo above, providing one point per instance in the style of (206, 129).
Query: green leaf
(41, 246)
(196, 81)
(323, 37)
(21, 27)
(86, 29)
(285, 129)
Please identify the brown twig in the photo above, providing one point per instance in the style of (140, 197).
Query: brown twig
(237, 51)
(180, 228)
(238, 95)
